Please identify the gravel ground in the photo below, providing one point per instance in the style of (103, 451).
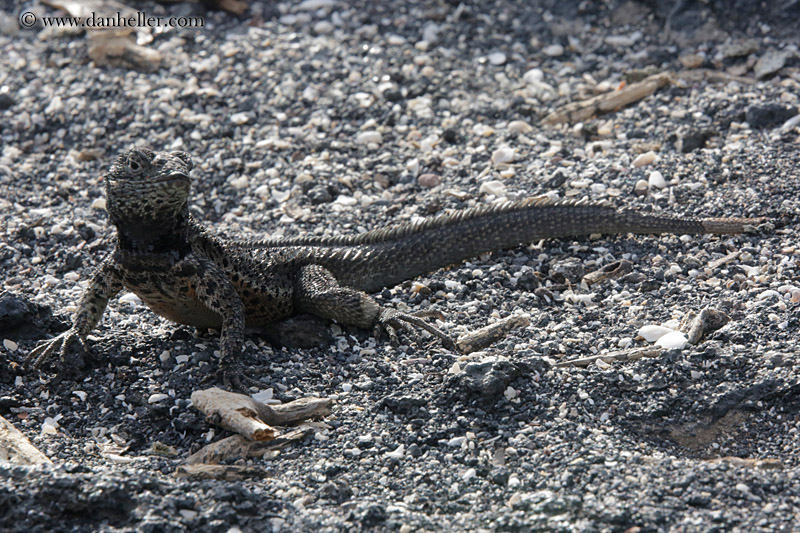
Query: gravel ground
(335, 117)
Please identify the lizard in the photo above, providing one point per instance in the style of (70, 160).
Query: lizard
(189, 275)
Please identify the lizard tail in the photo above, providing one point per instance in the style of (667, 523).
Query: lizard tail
(630, 221)
(385, 257)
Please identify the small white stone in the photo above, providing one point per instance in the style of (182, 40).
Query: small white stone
(504, 154)
(641, 187)
(672, 341)
(157, 397)
(180, 359)
(49, 426)
(188, 514)
(644, 159)
(323, 27)
(130, 298)
(624, 41)
(695, 374)
(494, 187)
(395, 40)
(10, 345)
(510, 393)
(519, 126)
(80, 394)
(164, 357)
(99, 203)
(119, 459)
(656, 179)
(240, 118)
(497, 58)
(456, 442)
(652, 333)
(554, 50)
(397, 453)
(239, 183)
(313, 5)
(347, 387)
(469, 474)
(263, 396)
(533, 76)
(370, 136)
(430, 32)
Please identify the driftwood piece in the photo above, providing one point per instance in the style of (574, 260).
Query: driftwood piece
(117, 48)
(221, 472)
(617, 99)
(111, 27)
(244, 415)
(622, 355)
(483, 337)
(695, 325)
(607, 102)
(236, 447)
(614, 270)
(16, 448)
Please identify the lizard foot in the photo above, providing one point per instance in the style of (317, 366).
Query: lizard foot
(233, 375)
(60, 344)
(391, 321)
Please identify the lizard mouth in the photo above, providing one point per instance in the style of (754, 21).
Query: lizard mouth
(172, 176)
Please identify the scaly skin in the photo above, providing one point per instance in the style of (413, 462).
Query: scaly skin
(185, 274)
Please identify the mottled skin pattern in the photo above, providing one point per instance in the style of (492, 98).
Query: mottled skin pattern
(192, 277)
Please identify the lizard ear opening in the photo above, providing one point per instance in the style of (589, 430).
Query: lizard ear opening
(183, 156)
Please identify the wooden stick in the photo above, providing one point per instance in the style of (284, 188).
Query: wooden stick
(16, 448)
(487, 335)
(242, 414)
(607, 102)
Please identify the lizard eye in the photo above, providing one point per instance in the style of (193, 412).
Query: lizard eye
(133, 165)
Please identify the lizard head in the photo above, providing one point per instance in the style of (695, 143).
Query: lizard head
(148, 190)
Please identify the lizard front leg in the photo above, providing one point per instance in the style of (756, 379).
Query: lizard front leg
(318, 292)
(218, 294)
(105, 284)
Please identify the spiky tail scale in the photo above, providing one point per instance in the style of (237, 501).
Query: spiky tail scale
(385, 257)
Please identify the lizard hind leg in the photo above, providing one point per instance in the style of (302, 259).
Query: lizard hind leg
(317, 291)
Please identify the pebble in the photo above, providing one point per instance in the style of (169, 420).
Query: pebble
(99, 203)
(624, 41)
(10, 345)
(504, 154)
(323, 27)
(644, 159)
(554, 50)
(158, 397)
(497, 58)
(770, 63)
(397, 453)
(494, 187)
(456, 442)
(240, 119)
(656, 179)
(534, 75)
(130, 298)
(652, 333)
(519, 126)
(369, 136)
(429, 181)
(641, 187)
(674, 340)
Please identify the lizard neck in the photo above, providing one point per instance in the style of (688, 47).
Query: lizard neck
(155, 234)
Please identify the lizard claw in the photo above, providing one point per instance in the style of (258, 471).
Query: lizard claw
(59, 344)
(233, 376)
(392, 321)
